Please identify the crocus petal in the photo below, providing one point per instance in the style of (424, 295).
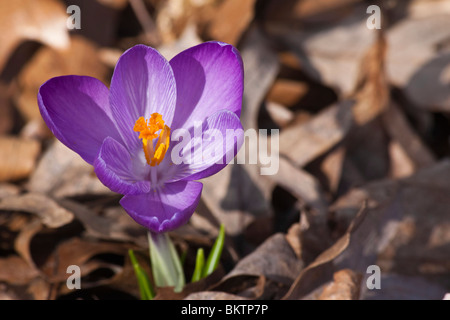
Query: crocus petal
(142, 83)
(114, 167)
(212, 145)
(164, 209)
(209, 78)
(77, 111)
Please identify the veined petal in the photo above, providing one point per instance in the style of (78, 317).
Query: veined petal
(77, 111)
(143, 83)
(114, 168)
(164, 209)
(214, 143)
(209, 78)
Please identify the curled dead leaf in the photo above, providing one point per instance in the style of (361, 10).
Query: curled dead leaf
(24, 20)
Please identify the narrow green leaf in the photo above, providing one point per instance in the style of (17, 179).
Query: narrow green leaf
(199, 263)
(214, 256)
(145, 287)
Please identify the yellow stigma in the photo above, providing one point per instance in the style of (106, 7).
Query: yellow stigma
(148, 130)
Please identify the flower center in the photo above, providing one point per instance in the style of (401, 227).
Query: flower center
(148, 132)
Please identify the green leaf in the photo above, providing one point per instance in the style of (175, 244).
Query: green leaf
(214, 256)
(199, 263)
(145, 287)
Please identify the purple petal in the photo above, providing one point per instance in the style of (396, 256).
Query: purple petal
(77, 111)
(143, 83)
(164, 209)
(209, 78)
(220, 136)
(114, 167)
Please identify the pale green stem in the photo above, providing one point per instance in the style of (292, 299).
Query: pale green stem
(166, 266)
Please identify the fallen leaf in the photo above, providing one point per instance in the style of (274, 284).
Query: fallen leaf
(372, 91)
(213, 295)
(287, 92)
(23, 20)
(51, 214)
(400, 130)
(332, 167)
(231, 19)
(400, 164)
(418, 58)
(80, 59)
(274, 259)
(400, 287)
(406, 230)
(279, 114)
(338, 65)
(302, 185)
(345, 286)
(17, 157)
(315, 273)
(303, 143)
(15, 270)
(62, 173)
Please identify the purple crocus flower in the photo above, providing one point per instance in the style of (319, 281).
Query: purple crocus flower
(126, 132)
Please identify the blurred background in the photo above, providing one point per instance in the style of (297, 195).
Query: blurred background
(363, 179)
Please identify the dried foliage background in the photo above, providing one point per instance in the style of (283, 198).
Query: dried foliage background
(364, 175)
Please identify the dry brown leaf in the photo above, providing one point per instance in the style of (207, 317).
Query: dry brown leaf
(174, 15)
(287, 92)
(399, 129)
(367, 149)
(167, 293)
(401, 164)
(293, 237)
(40, 289)
(345, 286)
(246, 286)
(306, 12)
(239, 194)
(332, 167)
(302, 185)
(78, 251)
(281, 115)
(213, 295)
(51, 214)
(334, 65)
(23, 240)
(15, 270)
(116, 4)
(17, 157)
(418, 58)
(315, 273)
(187, 39)
(407, 222)
(372, 92)
(8, 190)
(62, 173)
(24, 20)
(231, 19)
(274, 259)
(400, 287)
(6, 110)
(80, 59)
(303, 143)
(113, 224)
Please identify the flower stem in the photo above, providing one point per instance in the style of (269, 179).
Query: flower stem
(166, 266)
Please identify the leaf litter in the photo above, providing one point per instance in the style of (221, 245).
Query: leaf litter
(363, 170)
